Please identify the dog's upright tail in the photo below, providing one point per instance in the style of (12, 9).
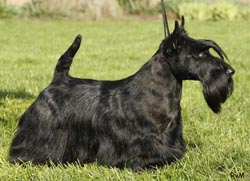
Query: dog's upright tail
(63, 65)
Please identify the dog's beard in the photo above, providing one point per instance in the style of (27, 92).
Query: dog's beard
(216, 89)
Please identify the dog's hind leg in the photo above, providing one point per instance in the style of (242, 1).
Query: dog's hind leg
(63, 65)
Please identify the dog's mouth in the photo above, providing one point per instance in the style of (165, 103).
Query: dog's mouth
(216, 90)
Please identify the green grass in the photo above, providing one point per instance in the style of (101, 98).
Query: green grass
(218, 145)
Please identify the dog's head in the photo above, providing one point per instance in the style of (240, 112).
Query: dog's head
(190, 59)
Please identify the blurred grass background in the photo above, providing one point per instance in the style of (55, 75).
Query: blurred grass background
(99, 9)
(114, 48)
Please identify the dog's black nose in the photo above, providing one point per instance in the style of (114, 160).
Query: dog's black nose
(230, 71)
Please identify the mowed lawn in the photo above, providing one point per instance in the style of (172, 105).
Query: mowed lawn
(218, 145)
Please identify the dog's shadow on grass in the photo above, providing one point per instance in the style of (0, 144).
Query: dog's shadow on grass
(19, 94)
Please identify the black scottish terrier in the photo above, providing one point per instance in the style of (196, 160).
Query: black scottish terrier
(134, 122)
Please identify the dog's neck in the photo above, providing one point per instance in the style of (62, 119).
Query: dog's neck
(157, 90)
(164, 78)
(155, 79)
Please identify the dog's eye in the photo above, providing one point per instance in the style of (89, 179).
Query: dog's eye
(199, 55)
(169, 51)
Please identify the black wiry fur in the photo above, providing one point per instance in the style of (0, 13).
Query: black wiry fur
(134, 122)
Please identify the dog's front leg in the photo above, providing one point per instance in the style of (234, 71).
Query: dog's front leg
(150, 152)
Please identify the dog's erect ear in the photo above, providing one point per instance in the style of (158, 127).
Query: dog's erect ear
(179, 29)
(174, 39)
(176, 27)
(182, 22)
(178, 32)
